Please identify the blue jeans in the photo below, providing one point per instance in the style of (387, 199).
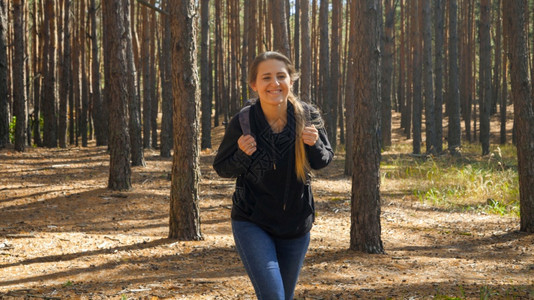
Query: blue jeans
(273, 264)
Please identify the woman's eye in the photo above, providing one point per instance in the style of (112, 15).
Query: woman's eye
(266, 78)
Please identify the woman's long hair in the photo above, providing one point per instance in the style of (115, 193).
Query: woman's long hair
(302, 166)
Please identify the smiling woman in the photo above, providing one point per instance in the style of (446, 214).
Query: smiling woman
(273, 206)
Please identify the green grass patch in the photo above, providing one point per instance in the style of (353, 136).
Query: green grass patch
(467, 182)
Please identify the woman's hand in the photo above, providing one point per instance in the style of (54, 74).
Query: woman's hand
(310, 135)
(247, 144)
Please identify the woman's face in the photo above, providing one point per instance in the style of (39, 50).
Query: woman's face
(272, 82)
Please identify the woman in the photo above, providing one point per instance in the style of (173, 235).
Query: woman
(273, 208)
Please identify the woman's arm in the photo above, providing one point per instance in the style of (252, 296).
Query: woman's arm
(321, 153)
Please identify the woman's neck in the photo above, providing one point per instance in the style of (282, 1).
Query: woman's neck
(276, 115)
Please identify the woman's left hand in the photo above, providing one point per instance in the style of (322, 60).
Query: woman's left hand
(310, 135)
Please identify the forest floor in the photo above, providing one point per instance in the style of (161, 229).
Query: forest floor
(63, 235)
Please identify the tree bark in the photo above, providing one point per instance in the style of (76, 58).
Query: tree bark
(101, 123)
(147, 89)
(134, 100)
(387, 70)
(19, 87)
(514, 14)
(365, 234)
(439, 17)
(184, 220)
(85, 82)
(281, 39)
(455, 133)
(485, 75)
(118, 17)
(49, 99)
(326, 100)
(64, 88)
(166, 87)
(428, 79)
(204, 75)
(4, 115)
(417, 107)
(305, 75)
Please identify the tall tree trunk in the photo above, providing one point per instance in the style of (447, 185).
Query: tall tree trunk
(365, 233)
(326, 100)
(153, 80)
(204, 74)
(417, 107)
(85, 82)
(19, 88)
(306, 66)
(4, 115)
(350, 89)
(118, 17)
(101, 124)
(504, 90)
(281, 39)
(439, 17)
(428, 79)
(455, 133)
(334, 75)
(514, 14)
(485, 75)
(49, 99)
(37, 50)
(184, 212)
(166, 87)
(147, 91)
(134, 100)
(387, 70)
(64, 87)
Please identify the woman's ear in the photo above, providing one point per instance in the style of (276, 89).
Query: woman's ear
(253, 86)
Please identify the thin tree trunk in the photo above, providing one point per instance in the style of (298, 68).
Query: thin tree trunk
(101, 124)
(184, 217)
(134, 100)
(166, 86)
(64, 88)
(387, 70)
(37, 51)
(49, 99)
(306, 66)
(147, 91)
(485, 75)
(428, 79)
(4, 115)
(454, 134)
(85, 83)
(326, 100)
(153, 80)
(439, 12)
(19, 88)
(204, 75)
(417, 108)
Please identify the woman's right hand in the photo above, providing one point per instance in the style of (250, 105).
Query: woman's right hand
(247, 144)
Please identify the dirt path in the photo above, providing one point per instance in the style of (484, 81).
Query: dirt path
(64, 236)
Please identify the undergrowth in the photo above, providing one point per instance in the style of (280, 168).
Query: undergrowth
(466, 182)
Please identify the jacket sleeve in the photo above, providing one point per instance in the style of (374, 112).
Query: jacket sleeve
(320, 154)
(230, 161)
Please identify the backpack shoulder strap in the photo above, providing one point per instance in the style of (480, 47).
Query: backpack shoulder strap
(307, 114)
(244, 120)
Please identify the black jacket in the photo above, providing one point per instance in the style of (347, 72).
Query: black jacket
(267, 190)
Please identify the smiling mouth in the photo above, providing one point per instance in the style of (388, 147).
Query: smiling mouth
(275, 92)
